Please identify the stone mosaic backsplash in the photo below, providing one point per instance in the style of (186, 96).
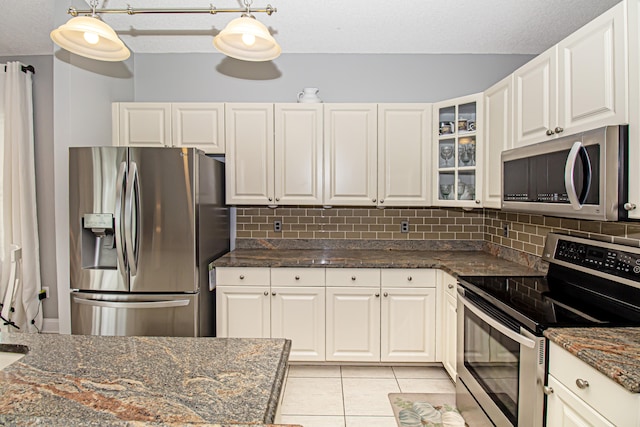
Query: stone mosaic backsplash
(525, 233)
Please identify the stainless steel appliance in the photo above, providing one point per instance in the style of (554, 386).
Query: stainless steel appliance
(144, 225)
(578, 176)
(501, 357)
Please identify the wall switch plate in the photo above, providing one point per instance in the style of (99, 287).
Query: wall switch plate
(404, 227)
(277, 225)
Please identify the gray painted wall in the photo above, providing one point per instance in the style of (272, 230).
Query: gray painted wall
(43, 146)
(203, 77)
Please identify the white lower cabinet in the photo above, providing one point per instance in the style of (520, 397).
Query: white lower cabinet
(579, 395)
(353, 324)
(334, 314)
(243, 311)
(297, 313)
(449, 324)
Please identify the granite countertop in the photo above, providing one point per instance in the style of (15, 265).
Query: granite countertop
(80, 380)
(613, 351)
(456, 262)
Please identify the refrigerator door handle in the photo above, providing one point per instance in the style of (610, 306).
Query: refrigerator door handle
(131, 240)
(133, 304)
(120, 184)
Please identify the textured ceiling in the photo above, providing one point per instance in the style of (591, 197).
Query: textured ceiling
(324, 26)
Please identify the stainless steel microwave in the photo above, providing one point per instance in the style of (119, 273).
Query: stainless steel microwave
(577, 176)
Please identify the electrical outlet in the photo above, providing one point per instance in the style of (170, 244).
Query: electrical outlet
(277, 225)
(404, 227)
(505, 229)
(44, 293)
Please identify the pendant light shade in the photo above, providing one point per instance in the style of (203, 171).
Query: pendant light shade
(90, 37)
(247, 39)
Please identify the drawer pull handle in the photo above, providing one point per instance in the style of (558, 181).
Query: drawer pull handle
(242, 277)
(273, 293)
(450, 286)
(377, 295)
(297, 277)
(386, 294)
(266, 293)
(353, 277)
(582, 383)
(409, 278)
(548, 390)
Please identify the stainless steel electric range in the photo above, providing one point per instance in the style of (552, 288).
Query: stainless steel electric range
(502, 362)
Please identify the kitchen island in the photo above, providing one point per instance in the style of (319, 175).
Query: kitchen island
(88, 380)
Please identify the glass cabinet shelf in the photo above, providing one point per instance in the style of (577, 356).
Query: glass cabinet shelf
(457, 139)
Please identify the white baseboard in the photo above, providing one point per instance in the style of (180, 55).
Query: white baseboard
(50, 326)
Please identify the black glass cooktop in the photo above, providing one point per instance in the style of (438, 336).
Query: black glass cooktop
(540, 302)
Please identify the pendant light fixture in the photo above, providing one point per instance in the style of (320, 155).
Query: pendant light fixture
(248, 39)
(90, 37)
(244, 38)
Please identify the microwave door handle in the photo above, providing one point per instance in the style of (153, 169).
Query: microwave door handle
(132, 191)
(120, 184)
(569, 168)
(520, 339)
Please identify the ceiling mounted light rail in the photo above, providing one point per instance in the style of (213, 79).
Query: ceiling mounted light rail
(244, 38)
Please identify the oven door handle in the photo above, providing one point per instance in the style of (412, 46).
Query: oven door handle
(520, 339)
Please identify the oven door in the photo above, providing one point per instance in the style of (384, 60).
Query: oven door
(501, 367)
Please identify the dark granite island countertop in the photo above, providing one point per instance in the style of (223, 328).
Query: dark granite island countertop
(613, 351)
(80, 380)
(456, 262)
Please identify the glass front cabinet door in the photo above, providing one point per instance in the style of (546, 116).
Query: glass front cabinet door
(458, 152)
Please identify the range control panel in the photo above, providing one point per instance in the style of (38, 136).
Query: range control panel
(611, 261)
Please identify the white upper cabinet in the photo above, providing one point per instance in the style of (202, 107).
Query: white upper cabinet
(634, 107)
(142, 124)
(298, 154)
(164, 124)
(198, 125)
(579, 84)
(350, 154)
(250, 145)
(498, 136)
(457, 152)
(404, 144)
(535, 106)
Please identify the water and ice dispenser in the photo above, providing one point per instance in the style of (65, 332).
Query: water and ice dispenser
(98, 241)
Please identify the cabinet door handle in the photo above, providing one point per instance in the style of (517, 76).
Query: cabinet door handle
(373, 200)
(277, 199)
(377, 295)
(353, 278)
(273, 293)
(477, 202)
(629, 206)
(266, 293)
(548, 390)
(270, 198)
(242, 277)
(386, 294)
(550, 132)
(558, 130)
(450, 286)
(297, 277)
(381, 200)
(582, 383)
(409, 278)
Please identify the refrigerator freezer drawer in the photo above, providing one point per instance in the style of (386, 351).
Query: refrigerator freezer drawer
(134, 314)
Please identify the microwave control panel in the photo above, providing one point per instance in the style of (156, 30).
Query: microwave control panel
(611, 261)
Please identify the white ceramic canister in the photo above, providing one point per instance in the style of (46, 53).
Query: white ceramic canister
(309, 94)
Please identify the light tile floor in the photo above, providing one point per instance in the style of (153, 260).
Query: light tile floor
(354, 396)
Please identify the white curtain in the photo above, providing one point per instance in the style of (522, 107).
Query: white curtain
(20, 279)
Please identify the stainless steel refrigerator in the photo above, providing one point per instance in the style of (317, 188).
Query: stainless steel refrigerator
(144, 225)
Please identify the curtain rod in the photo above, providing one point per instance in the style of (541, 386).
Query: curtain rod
(24, 68)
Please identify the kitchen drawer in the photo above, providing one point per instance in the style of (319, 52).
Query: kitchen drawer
(229, 276)
(353, 277)
(408, 277)
(603, 394)
(297, 276)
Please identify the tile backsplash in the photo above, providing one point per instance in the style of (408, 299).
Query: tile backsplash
(524, 232)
